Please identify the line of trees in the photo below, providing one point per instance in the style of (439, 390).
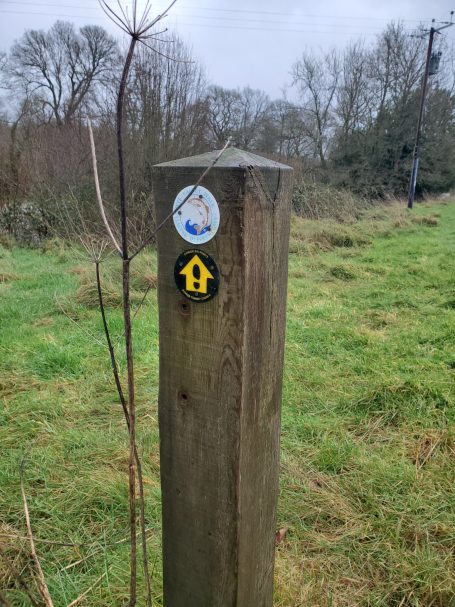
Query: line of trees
(351, 121)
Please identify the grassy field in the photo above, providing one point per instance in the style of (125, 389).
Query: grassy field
(368, 441)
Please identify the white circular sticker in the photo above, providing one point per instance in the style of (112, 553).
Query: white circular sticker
(197, 221)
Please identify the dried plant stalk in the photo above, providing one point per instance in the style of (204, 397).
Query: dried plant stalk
(42, 586)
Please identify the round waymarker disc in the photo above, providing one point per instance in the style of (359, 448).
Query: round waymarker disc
(196, 275)
(197, 221)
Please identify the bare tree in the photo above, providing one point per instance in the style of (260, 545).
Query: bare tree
(163, 105)
(394, 69)
(282, 130)
(58, 68)
(237, 113)
(352, 97)
(317, 79)
(3, 63)
(223, 112)
(254, 106)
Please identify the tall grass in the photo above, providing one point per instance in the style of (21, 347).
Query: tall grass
(368, 433)
(314, 200)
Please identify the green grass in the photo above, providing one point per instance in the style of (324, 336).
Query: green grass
(368, 440)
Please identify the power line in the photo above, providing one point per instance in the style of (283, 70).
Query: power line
(48, 5)
(212, 25)
(298, 14)
(225, 10)
(274, 29)
(219, 22)
(256, 21)
(9, 12)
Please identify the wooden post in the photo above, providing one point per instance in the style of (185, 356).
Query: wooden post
(221, 360)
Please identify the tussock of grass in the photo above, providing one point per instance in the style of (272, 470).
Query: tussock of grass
(342, 273)
(298, 246)
(59, 248)
(143, 278)
(7, 276)
(407, 398)
(87, 293)
(400, 222)
(6, 242)
(8, 271)
(49, 360)
(426, 220)
(430, 445)
(325, 235)
(4, 253)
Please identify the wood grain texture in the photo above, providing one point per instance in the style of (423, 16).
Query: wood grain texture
(220, 391)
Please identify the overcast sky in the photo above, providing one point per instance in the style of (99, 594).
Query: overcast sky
(244, 42)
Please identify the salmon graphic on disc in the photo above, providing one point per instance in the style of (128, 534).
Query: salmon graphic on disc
(197, 221)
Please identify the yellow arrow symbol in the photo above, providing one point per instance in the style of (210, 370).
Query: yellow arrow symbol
(197, 275)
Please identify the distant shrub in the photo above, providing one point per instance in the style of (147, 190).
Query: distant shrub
(26, 222)
(59, 247)
(6, 242)
(323, 201)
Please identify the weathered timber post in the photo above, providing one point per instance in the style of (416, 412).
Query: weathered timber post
(222, 301)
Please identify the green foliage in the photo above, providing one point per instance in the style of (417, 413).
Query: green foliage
(376, 160)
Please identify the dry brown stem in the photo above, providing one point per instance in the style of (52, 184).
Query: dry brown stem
(41, 581)
(98, 189)
(138, 30)
(127, 419)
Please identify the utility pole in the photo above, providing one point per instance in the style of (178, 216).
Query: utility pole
(415, 158)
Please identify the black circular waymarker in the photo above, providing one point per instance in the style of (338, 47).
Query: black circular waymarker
(196, 275)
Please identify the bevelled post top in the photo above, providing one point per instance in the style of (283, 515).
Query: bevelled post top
(231, 158)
